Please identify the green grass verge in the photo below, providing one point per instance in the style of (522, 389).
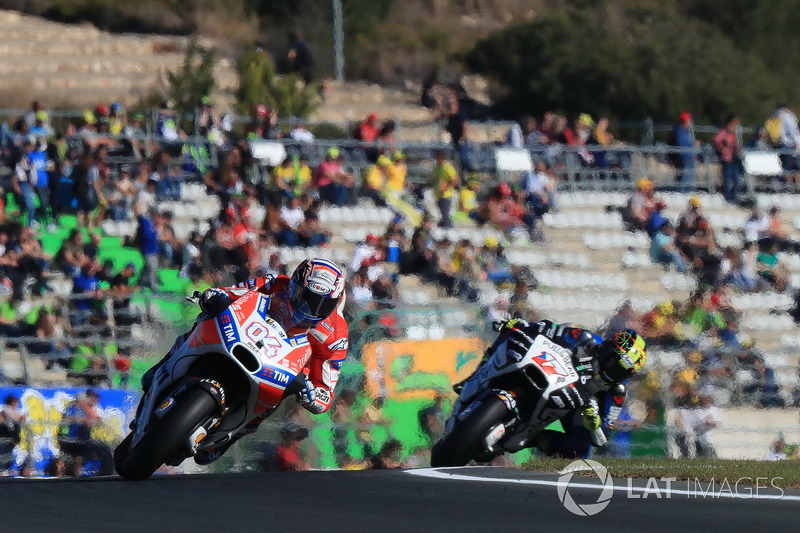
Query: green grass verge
(683, 469)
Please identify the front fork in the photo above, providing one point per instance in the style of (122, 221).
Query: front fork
(497, 433)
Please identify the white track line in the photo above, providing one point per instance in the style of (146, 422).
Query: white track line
(437, 473)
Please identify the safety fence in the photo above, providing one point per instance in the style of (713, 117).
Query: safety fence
(590, 167)
(643, 132)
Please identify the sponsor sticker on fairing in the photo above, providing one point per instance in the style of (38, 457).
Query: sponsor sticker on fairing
(554, 360)
(275, 376)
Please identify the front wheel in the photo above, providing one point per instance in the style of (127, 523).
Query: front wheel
(165, 436)
(465, 441)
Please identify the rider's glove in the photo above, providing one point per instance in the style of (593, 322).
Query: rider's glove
(508, 325)
(591, 419)
(213, 301)
(307, 396)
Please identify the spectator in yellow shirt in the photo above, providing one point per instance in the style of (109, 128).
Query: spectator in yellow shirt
(283, 174)
(301, 180)
(292, 177)
(445, 181)
(375, 180)
(468, 196)
(397, 172)
(395, 190)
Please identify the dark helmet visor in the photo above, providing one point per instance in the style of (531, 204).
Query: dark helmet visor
(310, 306)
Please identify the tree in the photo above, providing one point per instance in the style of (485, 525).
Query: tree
(362, 31)
(260, 84)
(626, 59)
(194, 79)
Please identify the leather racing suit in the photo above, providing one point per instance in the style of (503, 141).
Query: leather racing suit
(328, 339)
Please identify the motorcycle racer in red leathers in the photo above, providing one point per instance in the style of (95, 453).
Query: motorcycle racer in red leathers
(310, 301)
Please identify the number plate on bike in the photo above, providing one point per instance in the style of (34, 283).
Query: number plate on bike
(554, 360)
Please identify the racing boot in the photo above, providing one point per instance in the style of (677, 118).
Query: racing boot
(205, 457)
(212, 302)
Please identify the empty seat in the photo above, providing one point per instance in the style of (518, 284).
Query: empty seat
(334, 215)
(417, 333)
(436, 332)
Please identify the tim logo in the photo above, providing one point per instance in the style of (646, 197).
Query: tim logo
(550, 364)
(275, 376)
(229, 332)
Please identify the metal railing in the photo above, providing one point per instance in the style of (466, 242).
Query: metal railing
(577, 168)
(615, 168)
(647, 130)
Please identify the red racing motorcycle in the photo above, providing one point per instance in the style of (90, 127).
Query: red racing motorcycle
(233, 368)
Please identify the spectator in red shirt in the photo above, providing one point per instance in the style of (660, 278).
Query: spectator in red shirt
(288, 455)
(330, 179)
(578, 136)
(546, 126)
(494, 209)
(727, 147)
(367, 129)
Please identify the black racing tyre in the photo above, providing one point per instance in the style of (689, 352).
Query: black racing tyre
(165, 436)
(465, 440)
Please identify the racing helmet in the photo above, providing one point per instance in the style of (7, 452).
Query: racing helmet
(619, 357)
(315, 290)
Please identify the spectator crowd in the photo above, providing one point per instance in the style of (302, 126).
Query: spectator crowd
(102, 168)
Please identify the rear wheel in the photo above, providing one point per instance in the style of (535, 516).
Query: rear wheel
(165, 436)
(465, 441)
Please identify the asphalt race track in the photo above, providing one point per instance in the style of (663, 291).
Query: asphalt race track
(372, 500)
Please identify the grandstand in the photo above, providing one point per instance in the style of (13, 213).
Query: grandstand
(587, 252)
(587, 267)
